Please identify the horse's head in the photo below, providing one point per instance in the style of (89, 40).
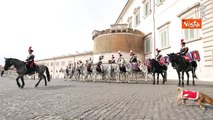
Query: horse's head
(8, 63)
(173, 58)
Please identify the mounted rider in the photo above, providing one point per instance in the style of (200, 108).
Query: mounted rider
(133, 60)
(99, 63)
(89, 64)
(120, 62)
(31, 66)
(184, 50)
(90, 61)
(158, 56)
(112, 61)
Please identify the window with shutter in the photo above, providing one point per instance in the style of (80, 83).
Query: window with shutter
(164, 35)
(147, 44)
(191, 34)
(146, 8)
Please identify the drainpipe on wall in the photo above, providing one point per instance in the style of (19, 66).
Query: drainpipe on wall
(154, 36)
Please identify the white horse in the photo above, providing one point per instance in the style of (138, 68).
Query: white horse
(122, 70)
(87, 72)
(101, 71)
(136, 71)
(67, 72)
(112, 71)
(78, 72)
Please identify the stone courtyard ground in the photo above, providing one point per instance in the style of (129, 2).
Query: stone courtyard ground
(70, 100)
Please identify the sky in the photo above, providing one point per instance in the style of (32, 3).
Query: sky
(53, 27)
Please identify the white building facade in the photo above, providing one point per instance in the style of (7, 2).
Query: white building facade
(161, 23)
(57, 64)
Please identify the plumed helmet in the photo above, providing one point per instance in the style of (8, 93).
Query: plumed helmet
(182, 42)
(131, 52)
(30, 49)
(113, 56)
(158, 50)
(119, 52)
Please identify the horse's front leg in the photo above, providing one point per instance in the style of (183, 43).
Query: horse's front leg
(193, 76)
(153, 78)
(164, 78)
(157, 78)
(22, 79)
(18, 81)
(182, 79)
(187, 73)
(178, 72)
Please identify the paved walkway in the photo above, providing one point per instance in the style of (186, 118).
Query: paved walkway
(65, 100)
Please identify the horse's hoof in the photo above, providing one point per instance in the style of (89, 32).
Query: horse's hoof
(153, 83)
(187, 84)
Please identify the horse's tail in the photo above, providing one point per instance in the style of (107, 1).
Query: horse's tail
(48, 73)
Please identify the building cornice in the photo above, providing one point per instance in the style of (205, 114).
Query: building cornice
(126, 7)
(66, 56)
(189, 8)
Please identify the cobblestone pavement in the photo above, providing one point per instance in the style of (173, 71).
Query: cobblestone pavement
(65, 100)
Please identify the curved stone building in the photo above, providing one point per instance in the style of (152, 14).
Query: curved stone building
(118, 38)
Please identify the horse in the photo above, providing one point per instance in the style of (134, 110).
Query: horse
(99, 70)
(181, 66)
(122, 69)
(87, 71)
(159, 69)
(134, 69)
(22, 70)
(78, 72)
(112, 70)
(67, 73)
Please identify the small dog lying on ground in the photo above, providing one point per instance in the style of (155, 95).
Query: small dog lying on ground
(200, 98)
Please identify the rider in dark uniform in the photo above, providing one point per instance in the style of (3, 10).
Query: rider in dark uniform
(183, 49)
(113, 59)
(30, 61)
(120, 62)
(99, 63)
(158, 56)
(133, 60)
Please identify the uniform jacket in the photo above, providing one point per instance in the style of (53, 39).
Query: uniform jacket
(183, 51)
(133, 59)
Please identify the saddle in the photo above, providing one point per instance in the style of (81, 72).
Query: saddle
(135, 66)
(122, 68)
(98, 68)
(89, 68)
(186, 58)
(32, 68)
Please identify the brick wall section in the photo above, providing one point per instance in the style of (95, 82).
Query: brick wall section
(119, 42)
